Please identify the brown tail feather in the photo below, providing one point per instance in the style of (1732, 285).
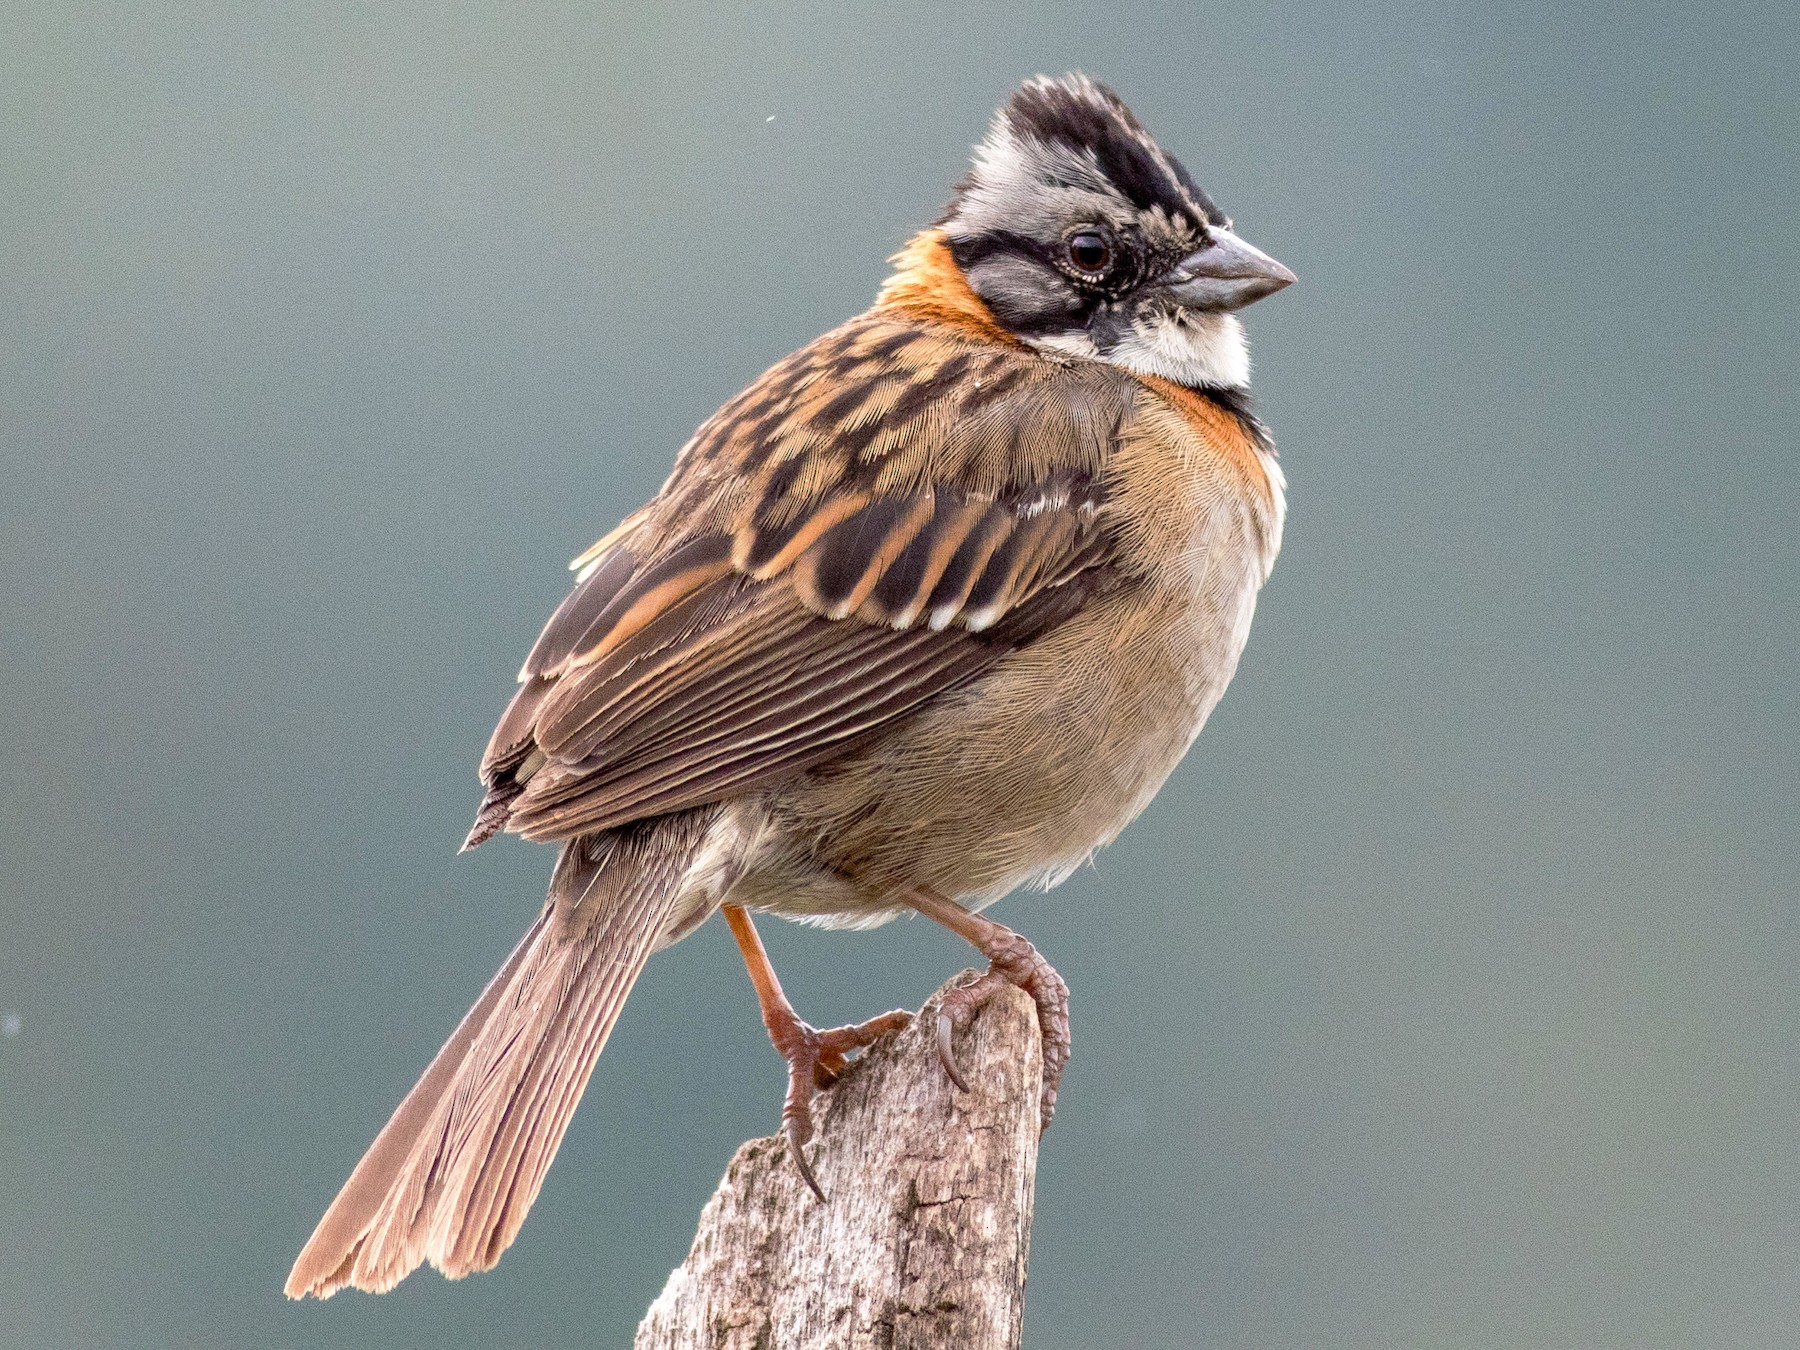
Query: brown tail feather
(451, 1176)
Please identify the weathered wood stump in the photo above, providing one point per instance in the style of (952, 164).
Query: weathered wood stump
(924, 1241)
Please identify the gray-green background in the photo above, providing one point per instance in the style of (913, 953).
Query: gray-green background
(1446, 997)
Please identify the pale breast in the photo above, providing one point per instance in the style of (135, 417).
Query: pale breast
(1018, 777)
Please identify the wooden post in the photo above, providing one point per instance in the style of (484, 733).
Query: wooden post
(924, 1241)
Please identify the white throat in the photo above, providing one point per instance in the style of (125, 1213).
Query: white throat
(1191, 348)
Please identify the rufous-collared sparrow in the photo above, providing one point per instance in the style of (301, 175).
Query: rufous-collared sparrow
(925, 614)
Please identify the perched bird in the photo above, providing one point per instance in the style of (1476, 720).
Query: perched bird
(927, 613)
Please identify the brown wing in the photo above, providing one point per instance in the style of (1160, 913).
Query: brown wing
(880, 518)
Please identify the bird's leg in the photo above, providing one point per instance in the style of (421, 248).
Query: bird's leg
(1011, 960)
(815, 1058)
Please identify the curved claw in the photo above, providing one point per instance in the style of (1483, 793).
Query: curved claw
(946, 1054)
(816, 1059)
(1012, 960)
(798, 1130)
(796, 1111)
(957, 1010)
(806, 1172)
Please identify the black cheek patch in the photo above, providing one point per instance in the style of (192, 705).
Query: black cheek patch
(1108, 328)
(1035, 300)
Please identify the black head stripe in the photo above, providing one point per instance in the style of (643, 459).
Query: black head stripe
(1208, 208)
(1084, 115)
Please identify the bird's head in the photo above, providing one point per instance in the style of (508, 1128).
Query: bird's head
(1083, 236)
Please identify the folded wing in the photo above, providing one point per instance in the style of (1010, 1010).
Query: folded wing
(864, 555)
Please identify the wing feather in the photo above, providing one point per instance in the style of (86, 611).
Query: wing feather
(879, 520)
(577, 614)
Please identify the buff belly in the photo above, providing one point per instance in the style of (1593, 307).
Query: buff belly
(1101, 711)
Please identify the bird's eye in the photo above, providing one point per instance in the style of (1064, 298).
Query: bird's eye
(1089, 252)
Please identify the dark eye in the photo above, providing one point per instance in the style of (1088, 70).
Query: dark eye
(1090, 252)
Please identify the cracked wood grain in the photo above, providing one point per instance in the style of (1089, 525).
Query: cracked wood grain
(925, 1239)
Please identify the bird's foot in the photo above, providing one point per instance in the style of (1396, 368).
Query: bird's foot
(1012, 960)
(816, 1059)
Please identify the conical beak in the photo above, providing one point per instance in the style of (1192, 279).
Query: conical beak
(1227, 274)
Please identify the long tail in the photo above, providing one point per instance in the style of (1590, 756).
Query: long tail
(450, 1178)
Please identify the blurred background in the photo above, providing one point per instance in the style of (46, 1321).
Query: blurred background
(1446, 996)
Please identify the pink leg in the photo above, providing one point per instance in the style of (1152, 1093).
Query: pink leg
(1011, 960)
(815, 1058)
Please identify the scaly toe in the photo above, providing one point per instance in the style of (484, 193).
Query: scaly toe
(838, 1044)
(796, 1114)
(816, 1059)
(1017, 964)
(955, 1011)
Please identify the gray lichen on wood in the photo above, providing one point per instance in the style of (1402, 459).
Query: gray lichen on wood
(925, 1239)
